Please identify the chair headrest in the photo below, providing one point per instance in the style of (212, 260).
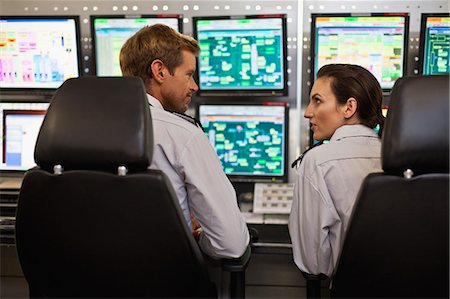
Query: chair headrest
(97, 123)
(416, 134)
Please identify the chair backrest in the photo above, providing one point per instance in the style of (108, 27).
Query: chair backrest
(397, 243)
(92, 220)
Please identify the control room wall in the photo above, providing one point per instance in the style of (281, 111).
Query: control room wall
(298, 29)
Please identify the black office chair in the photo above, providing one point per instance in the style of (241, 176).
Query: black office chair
(92, 220)
(397, 243)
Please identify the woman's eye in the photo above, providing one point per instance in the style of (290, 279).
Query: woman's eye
(315, 100)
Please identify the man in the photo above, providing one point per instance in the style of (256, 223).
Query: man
(165, 60)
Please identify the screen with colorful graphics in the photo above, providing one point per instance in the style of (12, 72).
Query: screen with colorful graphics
(377, 42)
(38, 52)
(109, 33)
(250, 139)
(435, 44)
(21, 122)
(242, 55)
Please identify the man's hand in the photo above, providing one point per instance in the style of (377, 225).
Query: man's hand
(196, 228)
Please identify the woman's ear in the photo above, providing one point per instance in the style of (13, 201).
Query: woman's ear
(350, 107)
(157, 69)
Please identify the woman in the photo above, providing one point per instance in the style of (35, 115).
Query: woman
(344, 108)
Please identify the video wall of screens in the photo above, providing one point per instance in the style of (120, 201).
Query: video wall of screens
(250, 139)
(21, 122)
(377, 42)
(109, 33)
(435, 44)
(242, 55)
(38, 52)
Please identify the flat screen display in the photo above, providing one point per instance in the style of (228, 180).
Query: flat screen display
(111, 32)
(377, 42)
(435, 44)
(242, 55)
(38, 52)
(250, 139)
(21, 122)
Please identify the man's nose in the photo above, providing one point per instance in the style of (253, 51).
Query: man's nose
(194, 85)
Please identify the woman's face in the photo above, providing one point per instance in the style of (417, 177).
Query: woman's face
(323, 111)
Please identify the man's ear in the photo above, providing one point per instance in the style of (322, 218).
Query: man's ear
(157, 68)
(350, 107)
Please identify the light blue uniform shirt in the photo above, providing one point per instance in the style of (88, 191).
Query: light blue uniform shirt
(183, 152)
(328, 181)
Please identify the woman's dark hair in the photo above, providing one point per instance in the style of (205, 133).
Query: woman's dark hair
(349, 80)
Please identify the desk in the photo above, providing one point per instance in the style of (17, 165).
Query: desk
(272, 238)
(10, 182)
(9, 193)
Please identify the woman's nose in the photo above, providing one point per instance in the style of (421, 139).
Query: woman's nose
(308, 112)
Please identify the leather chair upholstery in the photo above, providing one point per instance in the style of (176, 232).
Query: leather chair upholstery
(397, 243)
(92, 220)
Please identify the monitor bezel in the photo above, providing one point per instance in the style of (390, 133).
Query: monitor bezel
(179, 17)
(423, 34)
(14, 172)
(44, 90)
(248, 178)
(314, 17)
(245, 92)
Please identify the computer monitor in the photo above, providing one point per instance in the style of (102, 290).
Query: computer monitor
(435, 44)
(242, 55)
(109, 33)
(20, 123)
(376, 41)
(38, 52)
(250, 139)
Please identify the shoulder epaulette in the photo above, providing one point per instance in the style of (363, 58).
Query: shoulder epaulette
(190, 119)
(300, 158)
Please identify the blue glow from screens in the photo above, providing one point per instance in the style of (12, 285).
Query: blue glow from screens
(38, 53)
(375, 42)
(110, 33)
(20, 124)
(250, 140)
(436, 45)
(241, 54)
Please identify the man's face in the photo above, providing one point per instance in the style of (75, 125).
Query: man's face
(178, 88)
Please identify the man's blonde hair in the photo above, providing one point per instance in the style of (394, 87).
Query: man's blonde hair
(154, 42)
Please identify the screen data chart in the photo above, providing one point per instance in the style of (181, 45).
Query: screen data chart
(241, 54)
(374, 42)
(436, 46)
(110, 33)
(21, 123)
(38, 53)
(249, 139)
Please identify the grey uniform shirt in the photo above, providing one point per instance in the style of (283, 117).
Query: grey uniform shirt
(183, 152)
(328, 181)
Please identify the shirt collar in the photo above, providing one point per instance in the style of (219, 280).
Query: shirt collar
(154, 102)
(352, 131)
